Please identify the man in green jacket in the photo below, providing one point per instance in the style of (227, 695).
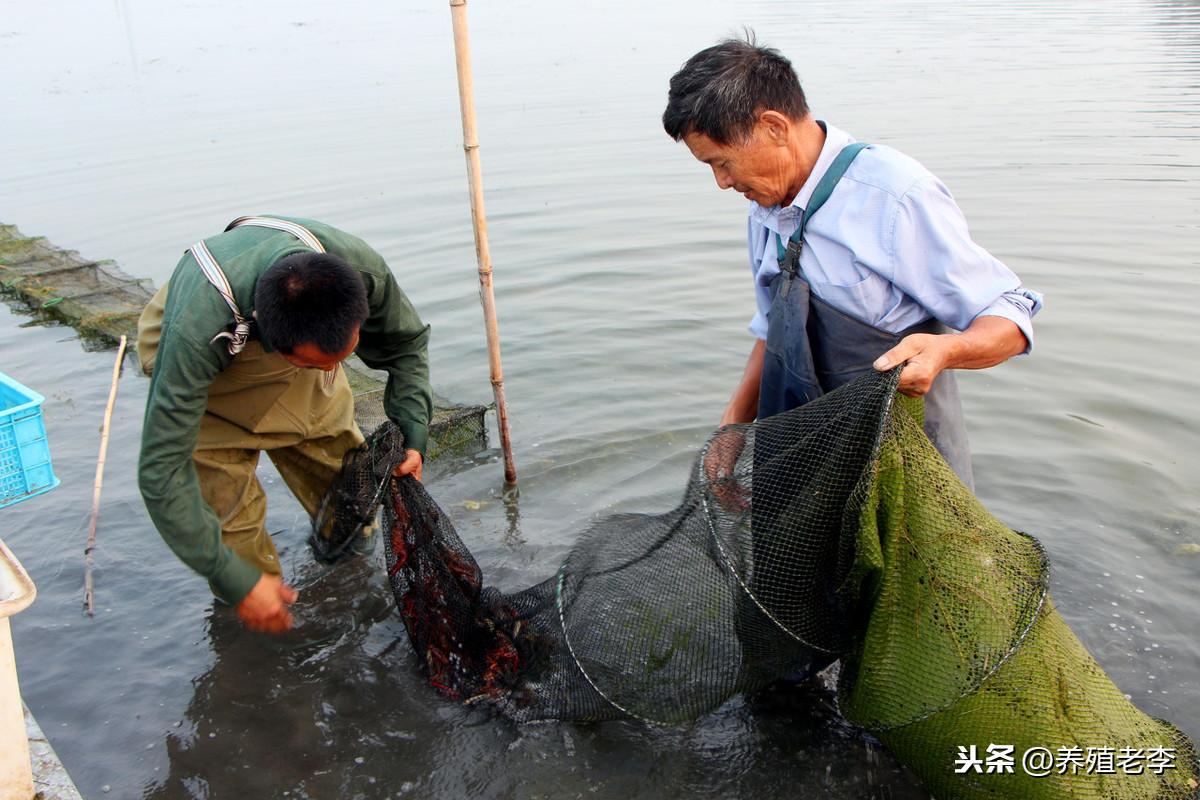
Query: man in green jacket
(244, 346)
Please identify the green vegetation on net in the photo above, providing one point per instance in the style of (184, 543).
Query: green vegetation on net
(962, 647)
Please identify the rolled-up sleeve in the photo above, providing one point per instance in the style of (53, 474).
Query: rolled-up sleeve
(935, 262)
(1018, 306)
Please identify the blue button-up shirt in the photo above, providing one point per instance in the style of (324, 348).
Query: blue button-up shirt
(890, 247)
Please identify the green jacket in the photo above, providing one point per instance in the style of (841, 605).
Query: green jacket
(393, 338)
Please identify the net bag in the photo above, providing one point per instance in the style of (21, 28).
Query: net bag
(832, 531)
(959, 647)
(352, 501)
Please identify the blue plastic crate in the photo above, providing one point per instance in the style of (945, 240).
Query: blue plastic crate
(24, 452)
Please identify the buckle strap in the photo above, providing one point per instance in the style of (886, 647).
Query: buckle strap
(212, 270)
(789, 257)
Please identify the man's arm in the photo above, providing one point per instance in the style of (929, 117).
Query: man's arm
(935, 261)
(394, 339)
(988, 341)
(167, 475)
(743, 405)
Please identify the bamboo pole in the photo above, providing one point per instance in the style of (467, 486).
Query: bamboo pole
(466, 97)
(91, 540)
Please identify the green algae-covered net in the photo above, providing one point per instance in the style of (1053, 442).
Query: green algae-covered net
(834, 531)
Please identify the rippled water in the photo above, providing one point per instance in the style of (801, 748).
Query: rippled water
(1068, 133)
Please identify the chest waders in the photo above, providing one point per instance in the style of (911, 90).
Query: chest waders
(813, 348)
(302, 418)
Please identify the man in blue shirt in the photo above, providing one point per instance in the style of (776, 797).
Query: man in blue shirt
(878, 278)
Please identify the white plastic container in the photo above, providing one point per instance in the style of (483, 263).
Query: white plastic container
(16, 593)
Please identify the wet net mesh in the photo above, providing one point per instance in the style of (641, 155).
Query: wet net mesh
(834, 531)
(95, 297)
(349, 508)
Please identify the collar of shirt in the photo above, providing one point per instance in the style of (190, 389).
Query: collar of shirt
(784, 220)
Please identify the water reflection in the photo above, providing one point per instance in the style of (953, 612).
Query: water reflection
(289, 713)
(1178, 21)
(1182, 13)
(512, 515)
(338, 709)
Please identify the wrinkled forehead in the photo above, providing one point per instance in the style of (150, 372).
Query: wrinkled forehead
(704, 148)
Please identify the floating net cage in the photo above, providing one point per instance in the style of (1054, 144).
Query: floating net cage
(834, 531)
(94, 297)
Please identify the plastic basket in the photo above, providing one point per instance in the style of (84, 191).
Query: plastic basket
(25, 468)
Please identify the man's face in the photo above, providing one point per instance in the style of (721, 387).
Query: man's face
(309, 356)
(758, 168)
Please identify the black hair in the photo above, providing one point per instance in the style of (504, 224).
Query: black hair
(310, 297)
(721, 90)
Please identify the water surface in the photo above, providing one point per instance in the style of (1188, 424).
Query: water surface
(1067, 132)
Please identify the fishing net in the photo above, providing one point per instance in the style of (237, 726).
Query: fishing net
(96, 297)
(832, 531)
(351, 505)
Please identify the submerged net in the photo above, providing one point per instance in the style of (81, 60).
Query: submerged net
(832, 531)
(95, 297)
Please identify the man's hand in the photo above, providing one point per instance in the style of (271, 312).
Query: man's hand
(720, 460)
(986, 342)
(266, 607)
(924, 356)
(411, 465)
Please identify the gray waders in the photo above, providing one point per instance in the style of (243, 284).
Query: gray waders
(813, 348)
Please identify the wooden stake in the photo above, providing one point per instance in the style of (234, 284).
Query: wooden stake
(91, 540)
(466, 97)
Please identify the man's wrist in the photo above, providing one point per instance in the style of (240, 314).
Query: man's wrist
(234, 581)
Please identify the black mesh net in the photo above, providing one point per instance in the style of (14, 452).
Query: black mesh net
(352, 502)
(832, 531)
(350, 506)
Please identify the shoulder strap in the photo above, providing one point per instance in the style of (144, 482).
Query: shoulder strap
(824, 189)
(830, 179)
(212, 271)
(299, 231)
